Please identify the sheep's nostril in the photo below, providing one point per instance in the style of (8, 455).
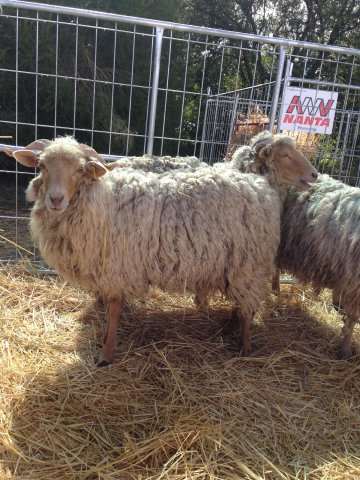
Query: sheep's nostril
(315, 175)
(56, 199)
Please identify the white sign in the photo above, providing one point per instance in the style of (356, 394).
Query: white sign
(307, 110)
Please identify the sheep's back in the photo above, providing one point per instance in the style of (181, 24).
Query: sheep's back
(195, 230)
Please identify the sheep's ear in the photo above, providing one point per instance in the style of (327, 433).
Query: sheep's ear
(8, 152)
(90, 153)
(40, 144)
(266, 153)
(96, 168)
(27, 158)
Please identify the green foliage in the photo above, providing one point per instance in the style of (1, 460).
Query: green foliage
(63, 94)
(332, 157)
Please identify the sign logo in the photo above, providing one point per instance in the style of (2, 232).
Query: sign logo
(307, 110)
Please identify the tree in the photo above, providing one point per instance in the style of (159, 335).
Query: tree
(304, 20)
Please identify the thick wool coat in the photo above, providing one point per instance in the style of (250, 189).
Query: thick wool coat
(187, 230)
(320, 238)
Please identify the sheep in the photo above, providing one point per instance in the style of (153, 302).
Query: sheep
(320, 244)
(145, 163)
(117, 232)
(319, 240)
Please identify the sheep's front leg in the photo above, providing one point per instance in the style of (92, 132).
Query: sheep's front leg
(201, 301)
(245, 339)
(275, 283)
(347, 332)
(114, 309)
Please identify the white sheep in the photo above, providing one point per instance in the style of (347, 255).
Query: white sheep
(320, 237)
(320, 244)
(146, 163)
(118, 232)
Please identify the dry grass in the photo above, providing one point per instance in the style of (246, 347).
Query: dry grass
(178, 403)
(247, 126)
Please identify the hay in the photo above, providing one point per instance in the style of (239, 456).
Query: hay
(248, 125)
(178, 403)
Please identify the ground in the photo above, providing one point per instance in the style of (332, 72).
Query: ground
(178, 402)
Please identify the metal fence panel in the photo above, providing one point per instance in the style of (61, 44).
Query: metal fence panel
(337, 154)
(127, 86)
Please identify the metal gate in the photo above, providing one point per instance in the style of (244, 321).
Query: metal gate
(129, 86)
(233, 118)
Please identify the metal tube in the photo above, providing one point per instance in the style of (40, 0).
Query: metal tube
(94, 87)
(154, 90)
(232, 123)
(176, 26)
(275, 99)
(287, 79)
(322, 82)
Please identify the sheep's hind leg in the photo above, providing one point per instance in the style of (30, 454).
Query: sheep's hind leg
(347, 332)
(245, 338)
(234, 323)
(242, 323)
(114, 310)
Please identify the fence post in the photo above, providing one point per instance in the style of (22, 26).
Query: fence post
(287, 79)
(232, 124)
(275, 99)
(203, 135)
(154, 90)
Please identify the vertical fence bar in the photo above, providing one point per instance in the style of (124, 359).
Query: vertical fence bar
(275, 100)
(94, 85)
(131, 91)
(149, 92)
(183, 94)
(166, 92)
(154, 90)
(232, 123)
(16, 127)
(202, 145)
(112, 87)
(200, 100)
(56, 73)
(36, 74)
(287, 79)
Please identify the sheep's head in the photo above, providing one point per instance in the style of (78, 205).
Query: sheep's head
(64, 164)
(290, 165)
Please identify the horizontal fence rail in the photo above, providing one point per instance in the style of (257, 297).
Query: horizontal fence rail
(78, 12)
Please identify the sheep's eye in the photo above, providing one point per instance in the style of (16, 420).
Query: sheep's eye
(80, 170)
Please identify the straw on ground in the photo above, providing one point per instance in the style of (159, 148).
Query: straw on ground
(178, 403)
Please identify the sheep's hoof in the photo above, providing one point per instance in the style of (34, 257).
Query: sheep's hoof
(233, 324)
(345, 354)
(102, 363)
(244, 352)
